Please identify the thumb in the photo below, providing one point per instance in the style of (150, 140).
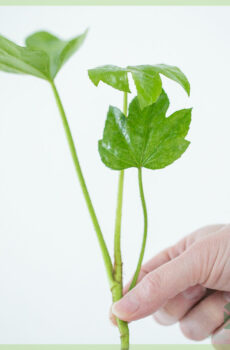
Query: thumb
(162, 284)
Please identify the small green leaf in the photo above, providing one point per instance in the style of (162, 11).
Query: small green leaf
(146, 78)
(146, 138)
(148, 84)
(58, 51)
(21, 60)
(111, 75)
(174, 73)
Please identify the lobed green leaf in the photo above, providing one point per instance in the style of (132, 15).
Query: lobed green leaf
(43, 56)
(146, 138)
(21, 60)
(57, 50)
(146, 78)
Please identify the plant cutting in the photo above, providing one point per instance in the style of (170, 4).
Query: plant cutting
(141, 136)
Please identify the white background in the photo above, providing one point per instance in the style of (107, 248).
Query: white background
(53, 287)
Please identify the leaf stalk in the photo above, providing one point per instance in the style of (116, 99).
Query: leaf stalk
(104, 249)
(140, 260)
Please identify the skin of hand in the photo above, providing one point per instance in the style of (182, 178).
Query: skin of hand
(187, 283)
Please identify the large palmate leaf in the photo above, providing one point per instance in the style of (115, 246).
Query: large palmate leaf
(146, 138)
(43, 57)
(58, 51)
(146, 78)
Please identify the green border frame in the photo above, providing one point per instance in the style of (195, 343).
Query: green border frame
(111, 3)
(116, 2)
(109, 347)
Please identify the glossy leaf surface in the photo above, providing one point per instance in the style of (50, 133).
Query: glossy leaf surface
(146, 138)
(146, 78)
(174, 73)
(111, 75)
(148, 84)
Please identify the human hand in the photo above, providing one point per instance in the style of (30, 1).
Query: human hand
(188, 282)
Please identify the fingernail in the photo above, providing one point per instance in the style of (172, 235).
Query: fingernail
(194, 292)
(164, 318)
(222, 337)
(125, 307)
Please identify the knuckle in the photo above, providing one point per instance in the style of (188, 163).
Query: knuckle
(152, 282)
(200, 246)
(175, 250)
(201, 254)
(143, 271)
(210, 253)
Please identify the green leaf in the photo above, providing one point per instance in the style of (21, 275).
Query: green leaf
(146, 78)
(57, 50)
(111, 75)
(146, 138)
(174, 73)
(43, 57)
(17, 59)
(148, 84)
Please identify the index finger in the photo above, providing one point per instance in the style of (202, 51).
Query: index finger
(158, 260)
(160, 285)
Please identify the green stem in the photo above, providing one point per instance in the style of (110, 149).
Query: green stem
(135, 278)
(104, 249)
(125, 103)
(117, 234)
(117, 294)
(117, 291)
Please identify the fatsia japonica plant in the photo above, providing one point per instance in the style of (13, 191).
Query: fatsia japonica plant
(142, 136)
